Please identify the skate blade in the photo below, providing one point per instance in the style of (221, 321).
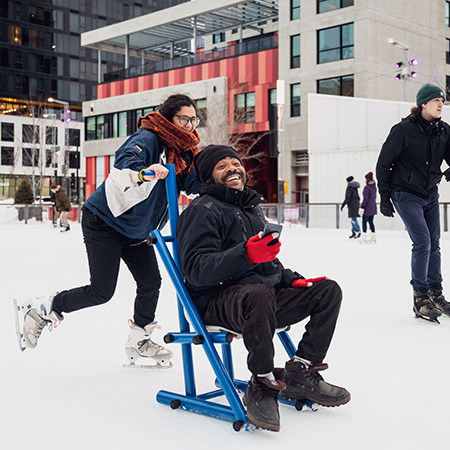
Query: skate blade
(425, 319)
(158, 365)
(20, 339)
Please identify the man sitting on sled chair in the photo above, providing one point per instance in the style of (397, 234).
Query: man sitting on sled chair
(236, 282)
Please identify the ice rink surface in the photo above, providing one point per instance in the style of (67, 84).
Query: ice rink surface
(72, 392)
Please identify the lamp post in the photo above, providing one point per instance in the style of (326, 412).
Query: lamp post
(280, 143)
(406, 73)
(64, 119)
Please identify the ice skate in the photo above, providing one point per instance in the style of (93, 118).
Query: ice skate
(424, 308)
(32, 317)
(364, 239)
(140, 345)
(66, 229)
(303, 382)
(373, 238)
(438, 299)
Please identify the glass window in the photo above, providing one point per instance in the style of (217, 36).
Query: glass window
(324, 6)
(100, 127)
(122, 124)
(201, 111)
(335, 43)
(74, 160)
(218, 37)
(273, 96)
(8, 132)
(90, 128)
(30, 157)
(295, 51)
(447, 51)
(336, 86)
(295, 9)
(244, 110)
(14, 35)
(447, 14)
(73, 137)
(30, 134)
(295, 100)
(51, 135)
(8, 156)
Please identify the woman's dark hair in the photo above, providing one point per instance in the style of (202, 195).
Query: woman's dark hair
(415, 110)
(173, 104)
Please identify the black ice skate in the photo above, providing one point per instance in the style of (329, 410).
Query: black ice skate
(424, 308)
(261, 400)
(303, 382)
(438, 299)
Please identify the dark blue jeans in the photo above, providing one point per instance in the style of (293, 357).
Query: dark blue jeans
(368, 220)
(105, 248)
(421, 218)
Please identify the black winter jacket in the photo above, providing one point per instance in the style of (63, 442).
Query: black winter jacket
(411, 157)
(212, 232)
(352, 199)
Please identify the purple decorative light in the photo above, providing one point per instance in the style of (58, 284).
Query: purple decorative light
(414, 75)
(414, 62)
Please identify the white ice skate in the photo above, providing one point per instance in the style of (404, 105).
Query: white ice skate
(32, 317)
(140, 345)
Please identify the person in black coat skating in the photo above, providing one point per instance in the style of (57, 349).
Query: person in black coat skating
(352, 201)
(408, 173)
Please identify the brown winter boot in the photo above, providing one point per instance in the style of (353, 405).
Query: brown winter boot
(303, 382)
(261, 400)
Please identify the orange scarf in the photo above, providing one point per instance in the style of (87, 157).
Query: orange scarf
(175, 139)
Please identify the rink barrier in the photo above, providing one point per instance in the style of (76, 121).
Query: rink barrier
(226, 383)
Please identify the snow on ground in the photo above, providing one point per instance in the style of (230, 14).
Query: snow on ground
(72, 392)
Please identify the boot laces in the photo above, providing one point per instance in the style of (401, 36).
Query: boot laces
(147, 344)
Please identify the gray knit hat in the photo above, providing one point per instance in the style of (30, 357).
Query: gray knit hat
(429, 92)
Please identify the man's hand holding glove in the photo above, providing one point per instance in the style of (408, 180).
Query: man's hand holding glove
(306, 282)
(263, 250)
(386, 207)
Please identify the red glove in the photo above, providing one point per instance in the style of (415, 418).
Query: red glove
(262, 250)
(308, 282)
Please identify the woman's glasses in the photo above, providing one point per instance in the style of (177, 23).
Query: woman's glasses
(184, 120)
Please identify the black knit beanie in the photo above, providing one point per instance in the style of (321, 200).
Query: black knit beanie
(348, 179)
(205, 161)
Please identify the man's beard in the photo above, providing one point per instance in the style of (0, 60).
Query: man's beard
(223, 180)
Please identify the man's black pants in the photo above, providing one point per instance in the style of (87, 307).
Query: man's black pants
(256, 311)
(105, 248)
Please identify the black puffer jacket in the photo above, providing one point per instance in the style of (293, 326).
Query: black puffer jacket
(212, 234)
(352, 199)
(411, 157)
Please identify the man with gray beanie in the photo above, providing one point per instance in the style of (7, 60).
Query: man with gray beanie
(408, 172)
(236, 281)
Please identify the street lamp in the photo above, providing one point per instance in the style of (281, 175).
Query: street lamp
(406, 73)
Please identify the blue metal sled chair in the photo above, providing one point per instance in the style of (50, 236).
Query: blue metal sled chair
(225, 382)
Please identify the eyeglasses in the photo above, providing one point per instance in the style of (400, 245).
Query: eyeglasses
(184, 120)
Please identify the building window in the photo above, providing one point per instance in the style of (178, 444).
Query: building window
(8, 132)
(74, 160)
(447, 51)
(273, 96)
(30, 134)
(90, 128)
(201, 111)
(51, 136)
(447, 14)
(244, 111)
(334, 44)
(295, 9)
(295, 51)
(324, 6)
(336, 86)
(30, 157)
(8, 156)
(447, 88)
(73, 137)
(218, 38)
(295, 100)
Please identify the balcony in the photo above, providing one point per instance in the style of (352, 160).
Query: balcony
(253, 45)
